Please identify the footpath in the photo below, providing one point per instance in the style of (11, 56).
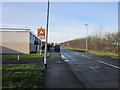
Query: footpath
(58, 74)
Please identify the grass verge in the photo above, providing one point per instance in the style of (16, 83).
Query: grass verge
(23, 56)
(98, 53)
(22, 76)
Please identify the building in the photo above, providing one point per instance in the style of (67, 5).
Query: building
(18, 41)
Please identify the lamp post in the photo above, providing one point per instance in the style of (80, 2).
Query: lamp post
(46, 36)
(86, 36)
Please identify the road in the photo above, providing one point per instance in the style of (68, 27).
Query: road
(92, 70)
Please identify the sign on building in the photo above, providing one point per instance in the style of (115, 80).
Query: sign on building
(41, 33)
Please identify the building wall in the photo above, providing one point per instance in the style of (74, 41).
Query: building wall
(34, 43)
(15, 41)
(32, 39)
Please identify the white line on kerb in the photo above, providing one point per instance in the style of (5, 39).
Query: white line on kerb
(108, 64)
(86, 57)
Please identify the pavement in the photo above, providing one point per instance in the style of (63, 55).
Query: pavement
(58, 74)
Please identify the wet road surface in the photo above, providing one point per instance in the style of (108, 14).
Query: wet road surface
(92, 70)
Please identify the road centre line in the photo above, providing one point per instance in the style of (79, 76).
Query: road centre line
(108, 64)
(86, 57)
(76, 53)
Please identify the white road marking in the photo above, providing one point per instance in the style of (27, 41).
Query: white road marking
(86, 57)
(94, 67)
(64, 58)
(76, 53)
(108, 64)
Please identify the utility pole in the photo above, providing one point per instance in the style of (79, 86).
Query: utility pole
(86, 36)
(46, 37)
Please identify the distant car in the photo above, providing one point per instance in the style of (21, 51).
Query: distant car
(57, 48)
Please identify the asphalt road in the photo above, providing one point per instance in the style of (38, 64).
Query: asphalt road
(92, 70)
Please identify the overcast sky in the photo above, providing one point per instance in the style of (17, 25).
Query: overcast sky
(67, 19)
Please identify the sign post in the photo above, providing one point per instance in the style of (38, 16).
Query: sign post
(41, 48)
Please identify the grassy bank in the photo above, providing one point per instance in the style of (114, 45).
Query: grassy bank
(22, 76)
(95, 52)
(23, 56)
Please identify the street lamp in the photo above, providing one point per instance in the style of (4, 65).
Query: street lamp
(46, 36)
(86, 36)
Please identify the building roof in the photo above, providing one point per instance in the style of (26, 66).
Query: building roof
(13, 29)
(17, 30)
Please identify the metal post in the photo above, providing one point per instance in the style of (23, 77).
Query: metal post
(86, 36)
(46, 37)
(41, 48)
(40, 53)
(18, 57)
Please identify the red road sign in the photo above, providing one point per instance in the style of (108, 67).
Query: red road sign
(41, 33)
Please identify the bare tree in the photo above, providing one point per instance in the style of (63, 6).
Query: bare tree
(99, 41)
